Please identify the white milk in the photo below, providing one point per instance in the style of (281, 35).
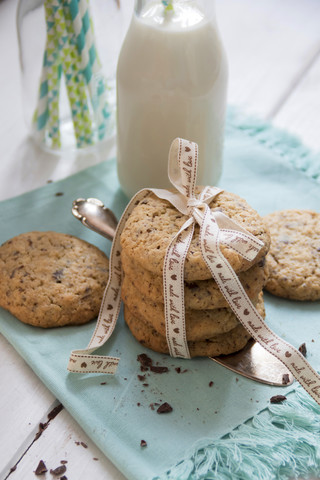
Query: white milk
(171, 82)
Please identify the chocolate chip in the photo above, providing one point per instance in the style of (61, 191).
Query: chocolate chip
(41, 468)
(178, 369)
(84, 445)
(210, 384)
(192, 285)
(59, 470)
(285, 379)
(278, 399)
(143, 443)
(141, 378)
(159, 369)
(58, 275)
(164, 408)
(64, 478)
(303, 349)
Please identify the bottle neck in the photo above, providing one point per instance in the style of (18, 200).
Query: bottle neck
(182, 13)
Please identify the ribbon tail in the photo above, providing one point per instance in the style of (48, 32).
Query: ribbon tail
(173, 289)
(81, 361)
(247, 314)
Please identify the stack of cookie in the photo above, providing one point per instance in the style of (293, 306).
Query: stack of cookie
(211, 327)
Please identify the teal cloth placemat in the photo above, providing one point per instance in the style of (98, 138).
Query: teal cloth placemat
(272, 171)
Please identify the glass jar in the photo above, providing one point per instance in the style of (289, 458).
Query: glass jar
(68, 70)
(171, 82)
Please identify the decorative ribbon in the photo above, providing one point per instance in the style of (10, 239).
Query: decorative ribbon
(215, 228)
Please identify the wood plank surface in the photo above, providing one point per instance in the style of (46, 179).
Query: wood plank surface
(301, 111)
(64, 440)
(24, 400)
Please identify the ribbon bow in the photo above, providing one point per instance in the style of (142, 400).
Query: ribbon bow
(215, 228)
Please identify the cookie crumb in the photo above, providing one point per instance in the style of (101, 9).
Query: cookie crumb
(164, 408)
(143, 443)
(84, 445)
(278, 399)
(41, 468)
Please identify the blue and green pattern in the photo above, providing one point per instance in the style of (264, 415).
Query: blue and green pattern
(71, 52)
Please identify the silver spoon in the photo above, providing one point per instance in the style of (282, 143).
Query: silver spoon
(253, 361)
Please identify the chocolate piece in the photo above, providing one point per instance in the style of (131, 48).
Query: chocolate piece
(42, 427)
(211, 383)
(144, 360)
(164, 408)
(84, 445)
(159, 369)
(143, 443)
(285, 378)
(303, 349)
(59, 470)
(54, 412)
(41, 468)
(141, 378)
(278, 399)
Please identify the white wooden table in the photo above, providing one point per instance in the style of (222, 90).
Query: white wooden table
(274, 55)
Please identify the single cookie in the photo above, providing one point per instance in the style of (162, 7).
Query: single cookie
(198, 295)
(50, 279)
(200, 324)
(223, 344)
(294, 257)
(154, 222)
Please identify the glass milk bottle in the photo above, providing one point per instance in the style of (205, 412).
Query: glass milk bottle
(171, 82)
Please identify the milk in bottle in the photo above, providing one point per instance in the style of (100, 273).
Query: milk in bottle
(171, 82)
